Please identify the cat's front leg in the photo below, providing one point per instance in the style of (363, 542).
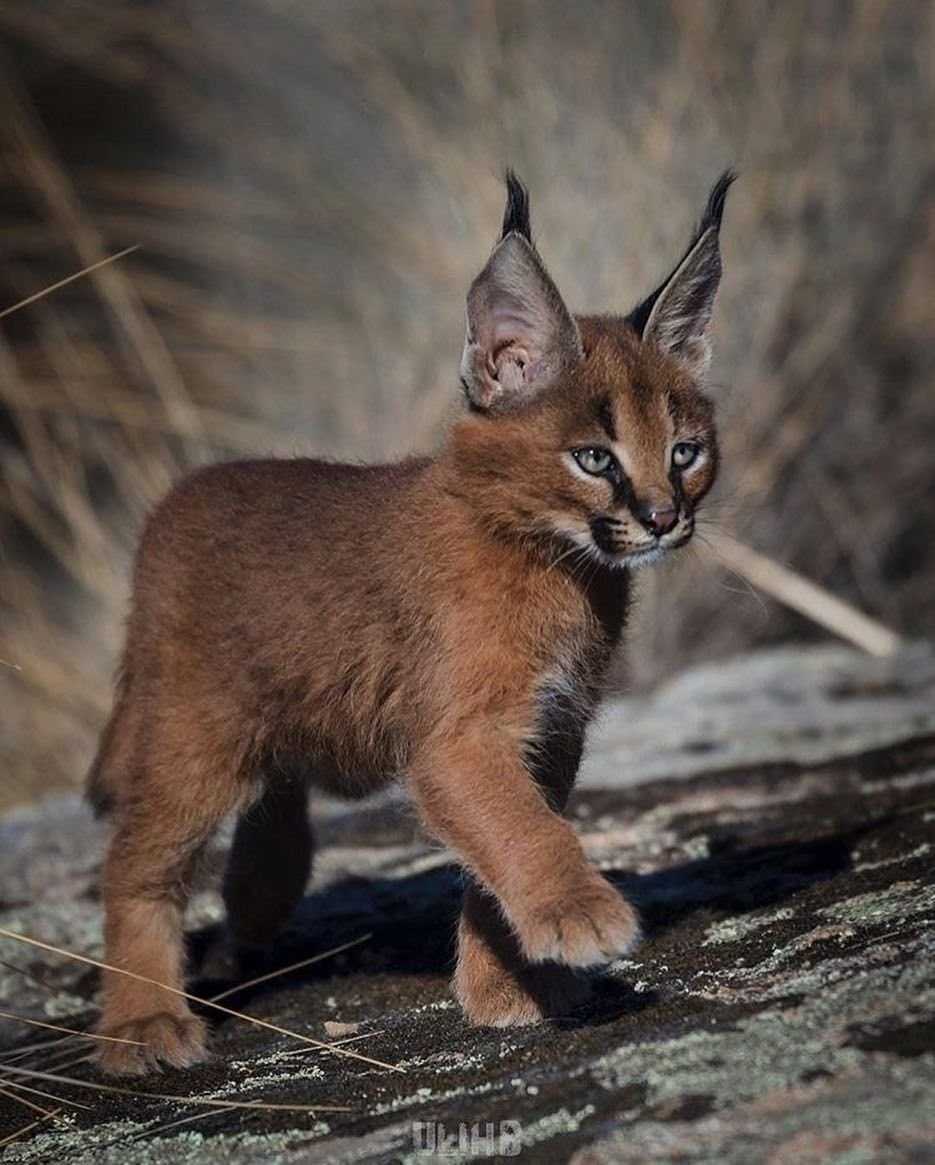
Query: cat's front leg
(477, 796)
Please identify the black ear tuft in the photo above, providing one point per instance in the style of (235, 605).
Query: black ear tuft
(713, 213)
(516, 215)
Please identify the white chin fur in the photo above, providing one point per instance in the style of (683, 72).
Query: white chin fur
(631, 561)
(642, 557)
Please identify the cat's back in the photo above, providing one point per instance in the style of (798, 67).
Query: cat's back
(256, 533)
(267, 488)
(256, 503)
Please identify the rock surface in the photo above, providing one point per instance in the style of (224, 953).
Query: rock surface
(775, 820)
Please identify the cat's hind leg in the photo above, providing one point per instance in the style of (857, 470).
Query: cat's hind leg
(269, 864)
(164, 813)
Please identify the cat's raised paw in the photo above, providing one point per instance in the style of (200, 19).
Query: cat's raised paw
(584, 927)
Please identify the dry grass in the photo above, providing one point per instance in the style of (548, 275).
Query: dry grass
(37, 1062)
(211, 1004)
(315, 185)
(280, 971)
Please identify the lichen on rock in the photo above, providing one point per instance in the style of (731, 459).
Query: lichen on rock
(782, 1007)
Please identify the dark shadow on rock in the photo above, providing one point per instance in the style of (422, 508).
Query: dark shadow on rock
(734, 880)
(412, 920)
(608, 1001)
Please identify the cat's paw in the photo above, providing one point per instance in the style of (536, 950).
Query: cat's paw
(583, 926)
(499, 998)
(165, 1038)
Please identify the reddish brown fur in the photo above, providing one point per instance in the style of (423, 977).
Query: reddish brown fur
(299, 622)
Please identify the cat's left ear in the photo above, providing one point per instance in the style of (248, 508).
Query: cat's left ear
(676, 317)
(521, 338)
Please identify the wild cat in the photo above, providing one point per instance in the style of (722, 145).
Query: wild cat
(446, 621)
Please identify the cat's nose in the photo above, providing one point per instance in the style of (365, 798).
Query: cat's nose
(658, 520)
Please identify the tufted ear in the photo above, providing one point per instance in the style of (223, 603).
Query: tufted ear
(521, 338)
(675, 318)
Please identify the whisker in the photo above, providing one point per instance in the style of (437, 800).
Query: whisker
(746, 588)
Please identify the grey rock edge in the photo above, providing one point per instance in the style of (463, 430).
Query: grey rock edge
(774, 818)
(792, 704)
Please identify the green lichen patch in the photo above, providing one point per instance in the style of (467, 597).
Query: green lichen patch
(731, 930)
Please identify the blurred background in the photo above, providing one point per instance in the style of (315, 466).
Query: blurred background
(314, 184)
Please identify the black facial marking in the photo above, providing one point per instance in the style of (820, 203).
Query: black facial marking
(602, 531)
(624, 494)
(678, 493)
(605, 416)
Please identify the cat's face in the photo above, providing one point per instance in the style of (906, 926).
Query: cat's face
(591, 432)
(613, 461)
(638, 446)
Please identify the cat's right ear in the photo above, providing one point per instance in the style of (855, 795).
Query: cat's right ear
(521, 338)
(676, 317)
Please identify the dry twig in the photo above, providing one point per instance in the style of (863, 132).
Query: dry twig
(4, 933)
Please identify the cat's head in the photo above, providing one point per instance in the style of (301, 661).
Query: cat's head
(589, 431)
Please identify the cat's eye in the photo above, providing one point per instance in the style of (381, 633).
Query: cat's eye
(594, 460)
(685, 454)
